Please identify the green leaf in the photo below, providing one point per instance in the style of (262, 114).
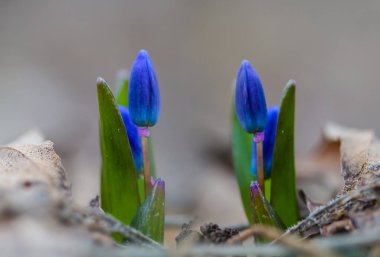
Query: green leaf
(118, 189)
(283, 188)
(141, 188)
(241, 156)
(263, 212)
(150, 218)
(268, 183)
(122, 85)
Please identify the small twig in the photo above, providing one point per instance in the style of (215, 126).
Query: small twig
(241, 237)
(335, 208)
(335, 243)
(293, 242)
(341, 225)
(239, 227)
(302, 246)
(135, 236)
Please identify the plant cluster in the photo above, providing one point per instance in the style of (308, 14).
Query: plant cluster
(263, 142)
(262, 150)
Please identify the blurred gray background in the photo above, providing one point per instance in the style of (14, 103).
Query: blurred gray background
(52, 51)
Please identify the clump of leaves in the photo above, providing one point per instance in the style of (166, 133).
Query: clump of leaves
(279, 185)
(127, 194)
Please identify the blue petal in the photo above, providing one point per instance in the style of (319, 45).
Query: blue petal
(251, 108)
(268, 145)
(144, 95)
(133, 137)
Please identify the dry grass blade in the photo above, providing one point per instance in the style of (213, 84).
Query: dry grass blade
(112, 225)
(291, 241)
(308, 248)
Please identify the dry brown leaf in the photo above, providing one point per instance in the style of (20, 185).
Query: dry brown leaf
(355, 149)
(37, 219)
(363, 200)
(359, 199)
(340, 226)
(31, 163)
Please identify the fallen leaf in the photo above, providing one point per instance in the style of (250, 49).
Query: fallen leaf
(366, 199)
(355, 147)
(37, 219)
(29, 164)
(359, 198)
(344, 225)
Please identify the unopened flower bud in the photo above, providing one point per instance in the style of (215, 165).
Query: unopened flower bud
(144, 95)
(251, 108)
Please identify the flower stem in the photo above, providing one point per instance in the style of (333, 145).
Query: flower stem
(144, 133)
(147, 186)
(258, 139)
(260, 166)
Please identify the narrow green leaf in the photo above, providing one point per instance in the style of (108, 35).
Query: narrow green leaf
(141, 188)
(263, 212)
(283, 188)
(268, 183)
(122, 85)
(150, 218)
(118, 186)
(241, 156)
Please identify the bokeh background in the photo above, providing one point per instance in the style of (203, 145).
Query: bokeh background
(51, 53)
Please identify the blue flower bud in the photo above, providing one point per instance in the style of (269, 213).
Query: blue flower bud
(268, 145)
(251, 108)
(133, 137)
(144, 95)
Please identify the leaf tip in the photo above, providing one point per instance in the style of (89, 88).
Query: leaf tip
(289, 89)
(160, 183)
(290, 85)
(291, 82)
(100, 81)
(255, 191)
(254, 188)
